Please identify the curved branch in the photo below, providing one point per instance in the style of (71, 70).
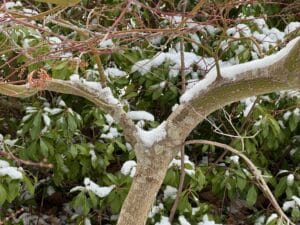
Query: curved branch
(256, 173)
(101, 97)
(277, 72)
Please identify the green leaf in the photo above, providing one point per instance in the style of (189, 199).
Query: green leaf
(93, 198)
(280, 187)
(73, 151)
(44, 148)
(121, 145)
(71, 122)
(241, 183)
(171, 178)
(28, 184)
(36, 129)
(274, 222)
(184, 203)
(3, 194)
(289, 192)
(251, 196)
(110, 149)
(157, 93)
(131, 95)
(293, 123)
(188, 166)
(82, 202)
(112, 178)
(13, 191)
(296, 213)
(37, 119)
(201, 179)
(61, 65)
(115, 202)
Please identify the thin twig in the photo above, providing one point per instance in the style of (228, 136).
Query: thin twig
(25, 162)
(182, 66)
(240, 130)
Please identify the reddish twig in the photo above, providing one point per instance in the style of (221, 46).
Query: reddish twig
(25, 162)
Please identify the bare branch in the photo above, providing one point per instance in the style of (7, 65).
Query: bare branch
(25, 162)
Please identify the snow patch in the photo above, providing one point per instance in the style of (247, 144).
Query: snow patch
(177, 162)
(272, 217)
(93, 187)
(13, 172)
(174, 58)
(249, 104)
(170, 192)
(114, 72)
(291, 27)
(96, 88)
(152, 136)
(198, 87)
(129, 168)
(235, 159)
(183, 220)
(9, 5)
(3, 163)
(206, 221)
(155, 209)
(290, 179)
(287, 115)
(163, 221)
(291, 204)
(140, 115)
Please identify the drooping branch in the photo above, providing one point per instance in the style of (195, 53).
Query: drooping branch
(256, 173)
(277, 72)
(101, 97)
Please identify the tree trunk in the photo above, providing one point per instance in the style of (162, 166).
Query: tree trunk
(141, 196)
(146, 183)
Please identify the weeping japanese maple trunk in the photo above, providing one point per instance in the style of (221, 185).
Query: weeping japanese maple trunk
(150, 173)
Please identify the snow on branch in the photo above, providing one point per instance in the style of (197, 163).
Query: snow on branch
(92, 91)
(149, 138)
(140, 115)
(236, 71)
(100, 191)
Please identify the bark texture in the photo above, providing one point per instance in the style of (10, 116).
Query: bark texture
(151, 169)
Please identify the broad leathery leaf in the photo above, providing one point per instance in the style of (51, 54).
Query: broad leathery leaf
(61, 2)
(13, 191)
(251, 196)
(29, 185)
(3, 194)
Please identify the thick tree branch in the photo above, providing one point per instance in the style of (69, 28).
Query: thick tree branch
(281, 73)
(101, 97)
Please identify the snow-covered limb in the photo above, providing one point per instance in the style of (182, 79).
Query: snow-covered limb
(273, 73)
(92, 91)
(239, 71)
